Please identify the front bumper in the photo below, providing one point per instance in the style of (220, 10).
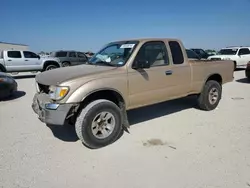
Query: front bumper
(50, 113)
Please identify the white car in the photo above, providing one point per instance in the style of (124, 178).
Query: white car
(26, 61)
(240, 55)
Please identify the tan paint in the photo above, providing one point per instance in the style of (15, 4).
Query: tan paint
(144, 87)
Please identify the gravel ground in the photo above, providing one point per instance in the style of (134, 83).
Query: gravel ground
(169, 145)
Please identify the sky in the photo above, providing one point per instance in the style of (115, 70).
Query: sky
(50, 25)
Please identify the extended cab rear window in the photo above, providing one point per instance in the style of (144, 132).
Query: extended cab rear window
(61, 54)
(176, 52)
(14, 54)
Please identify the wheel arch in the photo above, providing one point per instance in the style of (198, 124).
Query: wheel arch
(47, 63)
(105, 93)
(216, 77)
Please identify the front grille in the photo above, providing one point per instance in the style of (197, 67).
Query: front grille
(43, 88)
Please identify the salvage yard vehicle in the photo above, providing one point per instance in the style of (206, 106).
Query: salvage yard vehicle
(95, 97)
(70, 58)
(26, 61)
(8, 86)
(202, 53)
(239, 55)
(191, 55)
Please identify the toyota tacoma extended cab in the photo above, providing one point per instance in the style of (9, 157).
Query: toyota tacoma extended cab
(125, 75)
(26, 61)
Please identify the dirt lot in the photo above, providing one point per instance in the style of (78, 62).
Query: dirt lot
(169, 145)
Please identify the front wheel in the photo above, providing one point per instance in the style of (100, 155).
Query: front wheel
(51, 67)
(210, 97)
(99, 124)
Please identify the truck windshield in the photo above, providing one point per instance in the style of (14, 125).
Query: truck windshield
(229, 51)
(114, 54)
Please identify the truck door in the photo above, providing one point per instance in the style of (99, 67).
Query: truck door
(155, 84)
(14, 61)
(244, 57)
(32, 62)
(181, 70)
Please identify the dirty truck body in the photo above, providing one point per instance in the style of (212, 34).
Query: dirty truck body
(125, 75)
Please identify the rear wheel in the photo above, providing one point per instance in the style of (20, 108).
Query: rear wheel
(210, 97)
(99, 124)
(65, 64)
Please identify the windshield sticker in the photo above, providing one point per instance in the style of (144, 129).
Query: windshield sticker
(120, 63)
(127, 46)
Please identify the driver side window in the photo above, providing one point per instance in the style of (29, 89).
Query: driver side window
(155, 53)
(28, 54)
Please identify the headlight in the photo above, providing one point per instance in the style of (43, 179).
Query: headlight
(58, 92)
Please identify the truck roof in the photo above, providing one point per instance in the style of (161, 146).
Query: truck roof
(230, 47)
(147, 39)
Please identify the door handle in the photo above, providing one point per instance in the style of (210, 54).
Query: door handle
(9, 60)
(169, 72)
(26, 60)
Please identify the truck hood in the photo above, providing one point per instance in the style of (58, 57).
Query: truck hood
(60, 75)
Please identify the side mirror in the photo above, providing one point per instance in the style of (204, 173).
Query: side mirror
(38, 56)
(141, 64)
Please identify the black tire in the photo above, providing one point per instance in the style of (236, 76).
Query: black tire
(235, 66)
(65, 64)
(83, 125)
(50, 67)
(204, 101)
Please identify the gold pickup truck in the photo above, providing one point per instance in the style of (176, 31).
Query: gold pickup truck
(125, 75)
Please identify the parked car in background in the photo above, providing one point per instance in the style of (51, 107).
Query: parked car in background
(239, 55)
(89, 54)
(26, 61)
(210, 53)
(247, 71)
(95, 97)
(202, 53)
(192, 55)
(70, 58)
(8, 85)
